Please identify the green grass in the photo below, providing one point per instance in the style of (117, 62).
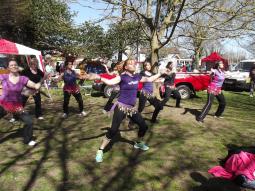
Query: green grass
(181, 151)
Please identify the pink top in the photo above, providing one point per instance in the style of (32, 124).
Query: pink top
(238, 164)
(12, 92)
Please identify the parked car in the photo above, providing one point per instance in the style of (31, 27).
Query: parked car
(101, 87)
(187, 84)
(238, 78)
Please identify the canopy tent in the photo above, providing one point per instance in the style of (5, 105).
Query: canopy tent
(212, 58)
(7, 47)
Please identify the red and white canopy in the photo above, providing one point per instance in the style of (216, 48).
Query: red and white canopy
(7, 47)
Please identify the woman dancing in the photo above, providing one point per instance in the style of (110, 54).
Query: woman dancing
(11, 98)
(35, 75)
(214, 90)
(125, 106)
(71, 88)
(169, 86)
(146, 93)
(116, 88)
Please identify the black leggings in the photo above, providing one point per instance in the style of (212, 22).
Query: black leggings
(168, 92)
(118, 117)
(109, 103)
(153, 101)
(28, 124)
(78, 98)
(252, 87)
(210, 97)
(38, 103)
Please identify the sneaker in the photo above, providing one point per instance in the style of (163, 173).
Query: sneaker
(251, 95)
(200, 122)
(31, 143)
(104, 111)
(40, 118)
(12, 120)
(99, 156)
(218, 117)
(64, 115)
(83, 114)
(141, 146)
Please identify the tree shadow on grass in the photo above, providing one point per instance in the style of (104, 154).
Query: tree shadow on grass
(213, 184)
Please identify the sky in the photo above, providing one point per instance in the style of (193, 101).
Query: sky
(87, 10)
(94, 10)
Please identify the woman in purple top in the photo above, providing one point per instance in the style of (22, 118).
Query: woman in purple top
(214, 90)
(71, 88)
(146, 93)
(125, 106)
(11, 98)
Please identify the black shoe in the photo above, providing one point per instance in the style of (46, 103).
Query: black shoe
(154, 121)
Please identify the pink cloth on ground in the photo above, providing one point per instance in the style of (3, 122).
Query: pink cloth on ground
(238, 164)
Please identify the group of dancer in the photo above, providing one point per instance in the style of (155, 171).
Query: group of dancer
(126, 82)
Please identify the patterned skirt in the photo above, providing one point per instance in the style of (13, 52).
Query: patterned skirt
(72, 89)
(12, 107)
(147, 94)
(212, 89)
(127, 109)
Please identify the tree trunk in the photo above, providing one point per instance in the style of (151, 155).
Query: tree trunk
(198, 53)
(154, 52)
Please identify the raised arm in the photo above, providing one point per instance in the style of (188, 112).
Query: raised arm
(109, 82)
(152, 78)
(33, 85)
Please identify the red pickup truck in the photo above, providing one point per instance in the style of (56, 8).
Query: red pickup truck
(187, 83)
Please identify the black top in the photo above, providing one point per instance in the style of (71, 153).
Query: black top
(33, 77)
(169, 79)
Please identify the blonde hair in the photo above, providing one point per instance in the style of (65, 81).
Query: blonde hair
(34, 60)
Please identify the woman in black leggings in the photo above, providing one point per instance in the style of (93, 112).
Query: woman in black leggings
(170, 87)
(214, 90)
(11, 99)
(146, 93)
(71, 88)
(125, 106)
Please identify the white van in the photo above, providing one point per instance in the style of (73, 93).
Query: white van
(238, 77)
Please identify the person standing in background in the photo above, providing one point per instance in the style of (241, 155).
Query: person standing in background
(252, 77)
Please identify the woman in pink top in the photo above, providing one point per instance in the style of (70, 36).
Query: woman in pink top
(214, 90)
(11, 98)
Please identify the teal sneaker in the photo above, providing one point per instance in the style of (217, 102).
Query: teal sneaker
(99, 156)
(141, 146)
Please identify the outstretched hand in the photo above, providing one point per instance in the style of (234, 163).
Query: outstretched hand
(38, 86)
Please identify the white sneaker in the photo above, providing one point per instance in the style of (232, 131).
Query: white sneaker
(32, 143)
(12, 120)
(83, 114)
(104, 111)
(40, 118)
(64, 115)
(251, 95)
(218, 117)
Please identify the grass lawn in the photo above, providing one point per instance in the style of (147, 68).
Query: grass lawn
(181, 151)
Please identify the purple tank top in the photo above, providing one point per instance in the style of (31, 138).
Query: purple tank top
(69, 78)
(147, 86)
(129, 88)
(12, 92)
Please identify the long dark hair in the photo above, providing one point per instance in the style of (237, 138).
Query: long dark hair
(169, 64)
(145, 63)
(216, 65)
